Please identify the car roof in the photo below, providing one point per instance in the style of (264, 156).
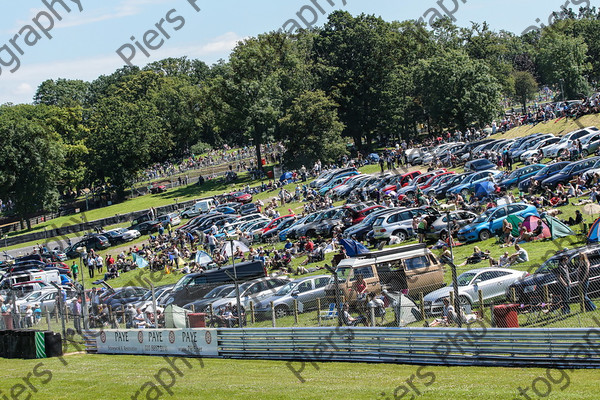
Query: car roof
(483, 269)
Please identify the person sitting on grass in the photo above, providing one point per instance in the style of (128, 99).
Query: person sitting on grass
(520, 256)
(503, 261)
(448, 315)
(349, 320)
(477, 256)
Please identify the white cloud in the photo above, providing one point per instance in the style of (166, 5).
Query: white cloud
(21, 86)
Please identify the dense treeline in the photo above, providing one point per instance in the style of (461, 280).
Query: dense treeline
(356, 79)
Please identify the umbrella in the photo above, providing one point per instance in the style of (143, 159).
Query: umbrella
(285, 176)
(591, 209)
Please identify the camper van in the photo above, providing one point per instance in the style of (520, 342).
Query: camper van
(200, 207)
(414, 268)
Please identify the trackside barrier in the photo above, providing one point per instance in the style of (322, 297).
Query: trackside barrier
(521, 347)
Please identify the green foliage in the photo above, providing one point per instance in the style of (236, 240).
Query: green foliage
(563, 62)
(200, 148)
(525, 87)
(456, 91)
(313, 130)
(31, 156)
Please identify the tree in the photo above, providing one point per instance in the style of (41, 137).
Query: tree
(31, 159)
(313, 130)
(62, 93)
(563, 62)
(456, 91)
(525, 87)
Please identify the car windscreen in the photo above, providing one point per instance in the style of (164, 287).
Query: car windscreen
(483, 217)
(465, 278)
(287, 288)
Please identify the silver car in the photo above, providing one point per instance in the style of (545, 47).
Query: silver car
(305, 291)
(252, 291)
(493, 282)
(439, 228)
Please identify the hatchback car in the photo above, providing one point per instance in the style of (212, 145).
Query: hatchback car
(490, 222)
(481, 164)
(252, 291)
(493, 282)
(304, 291)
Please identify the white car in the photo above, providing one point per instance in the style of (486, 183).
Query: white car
(252, 291)
(46, 299)
(493, 282)
(169, 219)
(122, 234)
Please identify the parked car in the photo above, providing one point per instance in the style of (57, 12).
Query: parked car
(493, 282)
(590, 144)
(566, 140)
(158, 188)
(546, 172)
(122, 235)
(482, 164)
(531, 289)
(468, 184)
(535, 149)
(249, 208)
(252, 291)
(567, 173)
(398, 223)
(95, 241)
(529, 144)
(238, 197)
(116, 297)
(304, 291)
(217, 293)
(519, 175)
(169, 219)
(490, 222)
(438, 229)
(146, 227)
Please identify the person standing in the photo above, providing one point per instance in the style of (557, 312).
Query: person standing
(91, 264)
(75, 271)
(564, 277)
(99, 263)
(77, 315)
(584, 280)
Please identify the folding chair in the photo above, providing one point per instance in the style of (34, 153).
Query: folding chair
(331, 313)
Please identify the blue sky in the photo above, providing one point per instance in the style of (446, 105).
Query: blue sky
(84, 43)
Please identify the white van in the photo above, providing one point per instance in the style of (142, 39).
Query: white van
(29, 276)
(200, 207)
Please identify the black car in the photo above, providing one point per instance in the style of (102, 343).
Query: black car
(215, 294)
(194, 286)
(146, 227)
(360, 230)
(482, 164)
(115, 298)
(542, 174)
(249, 208)
(567, 173)
(454, 180)
(530, 290)
(94, 241)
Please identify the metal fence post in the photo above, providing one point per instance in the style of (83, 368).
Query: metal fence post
(421, 306)
(319, 311)
(481, 306)
(252, 312)
(546, 294)
(492, 319)
(581, 298)
(273, 314)
(296, 311)
(372, 316)
(513, 295)
(48, 318)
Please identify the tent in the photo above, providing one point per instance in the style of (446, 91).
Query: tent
(202, 258)
(406, 310)
(374, 157)
(285, 176)
(175, 317)
(226, 249)
(514, 220)
(594, 233)
(483, 189)
(354, 248)
(557, 228)
(531, 224)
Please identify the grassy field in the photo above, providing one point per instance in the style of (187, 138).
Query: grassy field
(556, 127)
(130, 377)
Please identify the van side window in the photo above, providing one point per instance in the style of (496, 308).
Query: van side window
(366, 272)
(321, 282)
(416, 263)
(199, 280)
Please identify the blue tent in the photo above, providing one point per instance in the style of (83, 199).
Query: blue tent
(354, 248)
(483, 189)
(285, 176)
(594, 233)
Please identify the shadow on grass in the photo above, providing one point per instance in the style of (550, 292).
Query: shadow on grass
(210, 187)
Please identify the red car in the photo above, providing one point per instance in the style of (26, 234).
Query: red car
(276, 222)
(239, 197)
(156, 188)
(358, 216)
(434, 180)
(402, 180)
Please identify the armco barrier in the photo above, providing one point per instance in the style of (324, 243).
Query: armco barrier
(521, 347)
(29, 344)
